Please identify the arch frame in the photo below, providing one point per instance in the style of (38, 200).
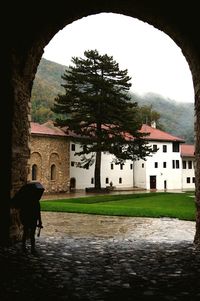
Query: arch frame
(22, 55)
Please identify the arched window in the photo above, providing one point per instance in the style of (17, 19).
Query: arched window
(53, 172)
(34, 172)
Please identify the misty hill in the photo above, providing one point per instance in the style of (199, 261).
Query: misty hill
(177, 118)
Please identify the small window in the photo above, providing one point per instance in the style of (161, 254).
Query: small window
(156, 164)
(92, 180)
(184, 164)
(164, 148)
(53, 172)
(155, 148)
(111, 166)
(164, 164)
(175, 147)
(120, 180)
(72, 163)
(121, 166)
(73, 147)
(107, 180)
(193, 180)
(34, 172)
(131, 166)
(188, 180)
(175, 164)
(189, 164)
(142, 165)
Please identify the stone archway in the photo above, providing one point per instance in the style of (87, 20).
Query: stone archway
(29, 34)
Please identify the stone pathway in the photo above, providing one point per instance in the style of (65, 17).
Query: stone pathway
(110, 259)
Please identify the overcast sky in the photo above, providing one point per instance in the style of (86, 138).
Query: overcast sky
(154, 62)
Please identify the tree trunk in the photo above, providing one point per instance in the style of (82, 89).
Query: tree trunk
(97, 172)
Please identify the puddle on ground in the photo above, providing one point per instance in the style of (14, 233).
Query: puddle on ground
(84, 225)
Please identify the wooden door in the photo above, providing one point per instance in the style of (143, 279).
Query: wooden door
(152, 182)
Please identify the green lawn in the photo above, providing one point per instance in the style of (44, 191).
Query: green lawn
(175, 205)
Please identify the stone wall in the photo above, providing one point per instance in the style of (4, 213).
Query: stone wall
(51, 158)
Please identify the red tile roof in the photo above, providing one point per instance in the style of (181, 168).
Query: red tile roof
(49, 129)
(187, 150)
(46, 129)
(158, 135)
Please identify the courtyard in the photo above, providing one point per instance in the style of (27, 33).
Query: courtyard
(88, 257)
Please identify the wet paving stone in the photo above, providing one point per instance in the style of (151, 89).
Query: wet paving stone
(154, 259)
(101, 269)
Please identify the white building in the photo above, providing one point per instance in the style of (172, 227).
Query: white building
(188, 166)
(164, 170)
(121, 175)
(171, 167)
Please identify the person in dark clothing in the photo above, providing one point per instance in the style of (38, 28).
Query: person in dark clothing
(27, 200)
(30, 216)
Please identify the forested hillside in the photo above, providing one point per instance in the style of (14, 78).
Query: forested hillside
(177, 118)
(46, 86)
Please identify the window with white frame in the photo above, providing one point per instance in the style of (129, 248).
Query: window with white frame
(164, 148)
(155, 147)
(189, 164)
(184, 165)
(175, 164)
(175, 147)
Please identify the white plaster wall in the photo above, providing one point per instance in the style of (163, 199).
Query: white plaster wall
(172, 176)
(139, 176)
(83, 176)
(139, 179)
(114, 175)
(188, 173)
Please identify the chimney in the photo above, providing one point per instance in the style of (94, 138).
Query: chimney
(153, 124)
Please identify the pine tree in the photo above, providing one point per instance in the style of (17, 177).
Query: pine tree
(96, 107)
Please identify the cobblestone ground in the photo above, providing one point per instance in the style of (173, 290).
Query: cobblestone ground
(105, 267)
